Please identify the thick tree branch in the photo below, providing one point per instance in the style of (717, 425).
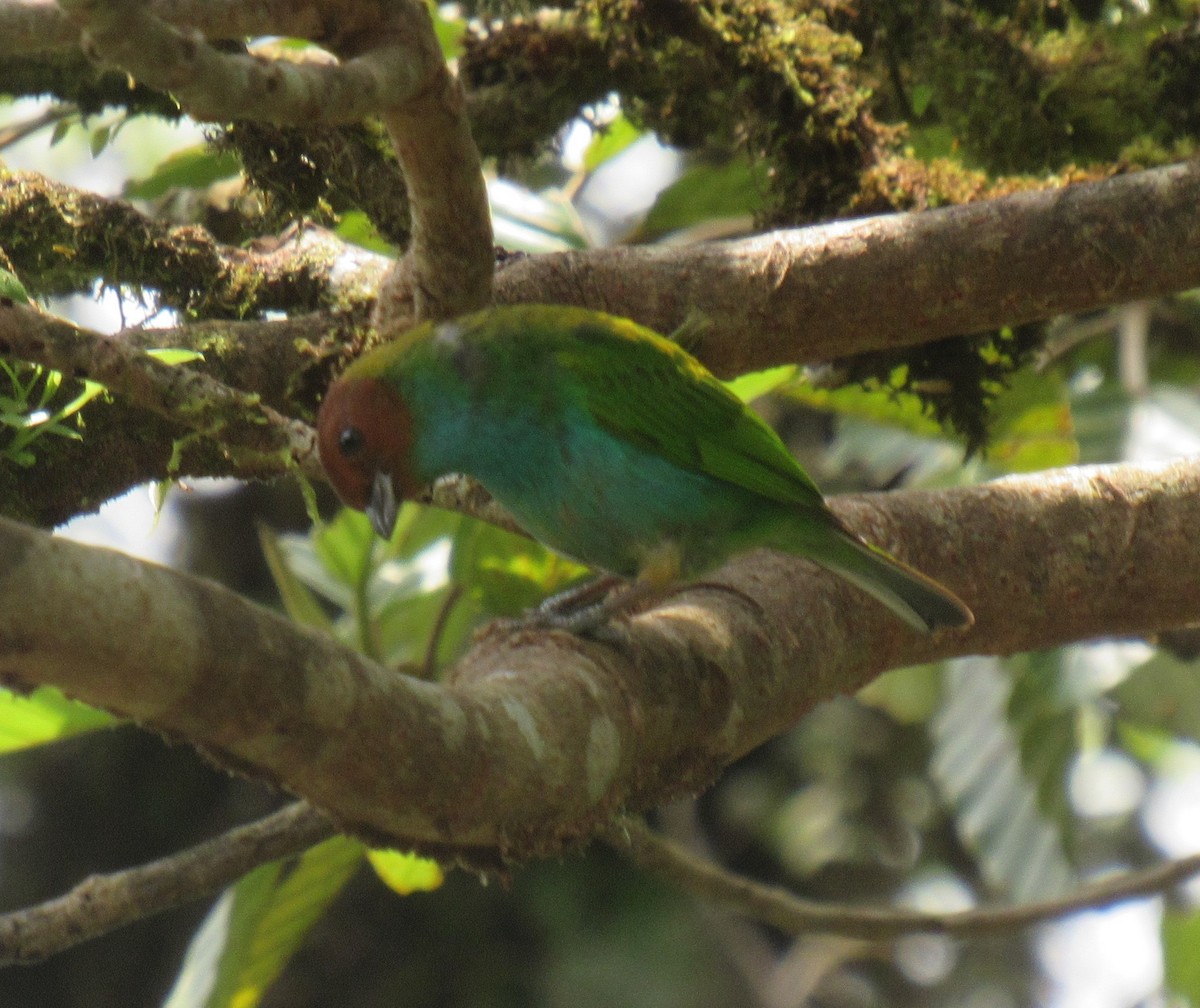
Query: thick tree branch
(102, 903)
(214, 85)
(538, 738)
(60, 239)
(254, 435)
(882, 282)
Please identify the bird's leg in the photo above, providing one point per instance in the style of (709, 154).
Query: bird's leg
(579, 596)
(574, 610)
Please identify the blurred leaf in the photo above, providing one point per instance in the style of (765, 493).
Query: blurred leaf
(877, 404)
(1163, 693)
(174, 355)
(996, 770)
(704, 193)
(922, 95)
(299, 603)
(1032, 427)
(44, 716)
(195, 167)
(257, 925)
(12, 289)
(449, 31)
(344, 546)
(908, 695)
(534, 222)
(749, 387)
(356, 227)
(609, 141)
(507, 573)
(1150, 745)
(99, 139)
(929, 143)
(406, 873)
(1181, 964)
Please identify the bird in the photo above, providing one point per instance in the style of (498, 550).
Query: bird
(605, 441)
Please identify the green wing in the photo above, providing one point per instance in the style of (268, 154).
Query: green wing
(647, 390)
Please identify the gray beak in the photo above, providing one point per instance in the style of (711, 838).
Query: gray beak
(381, 508)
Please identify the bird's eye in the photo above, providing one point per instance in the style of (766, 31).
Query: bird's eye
(350, 441)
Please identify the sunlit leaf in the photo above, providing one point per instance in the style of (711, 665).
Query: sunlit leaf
(44, 716)
(980, 763)
(196, 167)
(534, 222)
(298, 601)
(258, 924)
(174, 355)
(507, 572)
(1031, 427)
(356, 228)
(406, 873)
(1181, 964)
(609, 141)
(1162, 693)
(749, 387)
(704, 193)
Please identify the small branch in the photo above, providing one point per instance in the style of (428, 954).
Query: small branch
(261, 438)
(448, 268)
(103, 903)
(779, 908)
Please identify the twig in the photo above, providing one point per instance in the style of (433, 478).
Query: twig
(779, 908)
(102, 903)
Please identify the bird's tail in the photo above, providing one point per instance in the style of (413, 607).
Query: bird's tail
(918, 600)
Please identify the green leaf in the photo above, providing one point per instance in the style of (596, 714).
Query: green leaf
(998, 782)
(1162, 693)
(44, 716)
(877, 404)
(406, 873)
(507, 573)
(449, 31)
(174, 355)
(908, 695)
(299, 603)
(258, 924)
(922, 95)
(749, 387)
(1032, 428)
(11, 288)
(1181, 964)
(535, 222)
(195, 167)
(356, 227)
(609, 141)
(705, 193)
(99, 139)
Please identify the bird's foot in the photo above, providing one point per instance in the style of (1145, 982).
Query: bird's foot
(585, 610)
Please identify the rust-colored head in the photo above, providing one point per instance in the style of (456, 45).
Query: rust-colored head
(364, 433)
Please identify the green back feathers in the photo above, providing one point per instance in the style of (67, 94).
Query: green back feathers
(635, 383)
